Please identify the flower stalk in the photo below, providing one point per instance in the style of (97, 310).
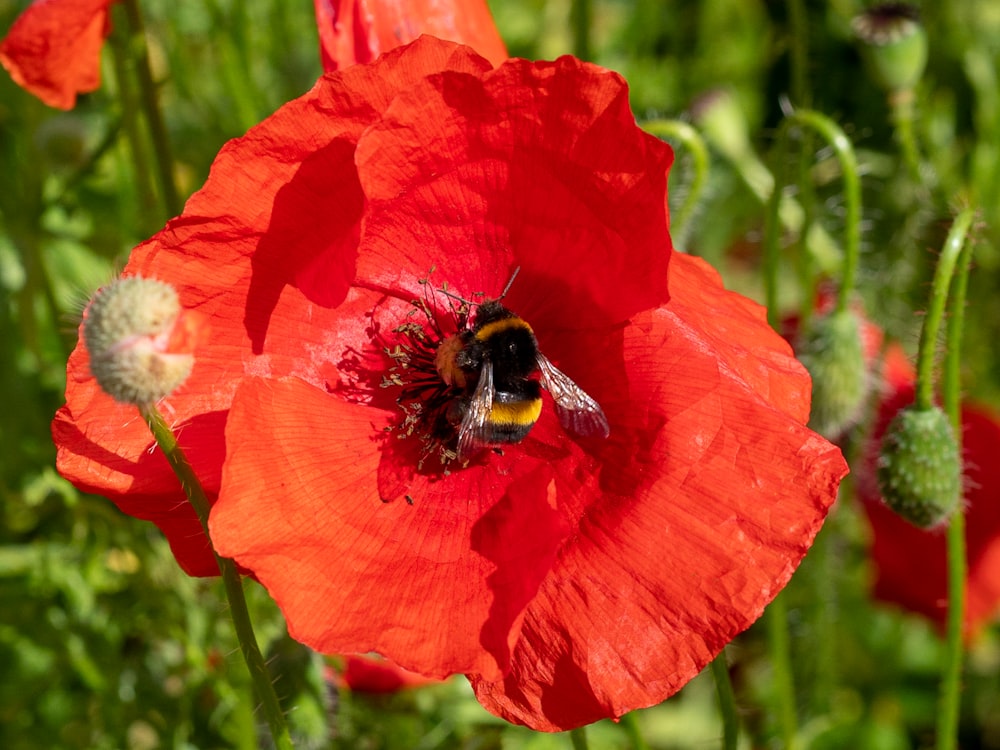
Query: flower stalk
(835, 137)
(149, 101)
(261, 678)
(935, 310)
(779, 647)
(950, 700)
(727, 701)
(680, 222)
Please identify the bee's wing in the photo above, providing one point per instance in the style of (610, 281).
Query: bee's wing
(474, 428)
(577, 412)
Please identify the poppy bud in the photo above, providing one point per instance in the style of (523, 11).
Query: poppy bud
(895, 46)
(831, 349)
(919, 471)
(139, 339)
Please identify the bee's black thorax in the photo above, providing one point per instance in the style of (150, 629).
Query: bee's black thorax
(504, 339)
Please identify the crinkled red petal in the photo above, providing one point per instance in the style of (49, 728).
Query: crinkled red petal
(711, 492)
(436, 582)
(53, 49)
(534, 165)
(268, 251)
(279, 214)
(358, 31)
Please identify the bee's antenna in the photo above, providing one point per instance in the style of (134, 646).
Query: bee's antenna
(446, 293)
(511, 281)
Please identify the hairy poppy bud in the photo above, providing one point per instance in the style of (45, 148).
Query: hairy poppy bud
(895, 44)
(831, 349)
(919, 470)
(140, 339)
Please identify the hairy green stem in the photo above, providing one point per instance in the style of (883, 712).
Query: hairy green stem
(178, 461)
(779, 647)
(950, 699)
(834, 135)
(772, 250)
(680, 223)
(578, 737)
(151, 109)
(727, 701)
(902, 106)
(935, 309)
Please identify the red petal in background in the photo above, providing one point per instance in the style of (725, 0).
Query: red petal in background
(725, 491)
(53, 49)
(358, 31)
(911, 563)
(373, 674)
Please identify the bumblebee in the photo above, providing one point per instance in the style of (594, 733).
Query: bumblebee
(491, 368)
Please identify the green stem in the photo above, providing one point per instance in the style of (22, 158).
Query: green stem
(935, 309)
(680, 223)
(578, 737)
(799, 43)
(133, 130)
(151, 110)
(901, 104)
(841, 144)
(630, 723)
(772, 249)
(779, 647)
(581, 14)
(261, 678)
(948, 715)
(727, 701)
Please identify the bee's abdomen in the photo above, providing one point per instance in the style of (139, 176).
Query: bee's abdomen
(514, 414)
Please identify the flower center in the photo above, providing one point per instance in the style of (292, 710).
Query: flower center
(423, 366)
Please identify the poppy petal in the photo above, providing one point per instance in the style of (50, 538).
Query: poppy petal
(729, 490)
(53, 49)
(264, 251)
(556, 184)
(358, 31)
(437, 583)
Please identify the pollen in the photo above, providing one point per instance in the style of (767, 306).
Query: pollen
(445, 362)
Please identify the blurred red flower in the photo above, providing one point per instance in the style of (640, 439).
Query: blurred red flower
(358, 31)
(910, 562)
(53, 50)
(373, 674)
(572, 579)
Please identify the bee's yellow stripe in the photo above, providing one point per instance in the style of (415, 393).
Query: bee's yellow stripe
(499, 326)
(524, 413)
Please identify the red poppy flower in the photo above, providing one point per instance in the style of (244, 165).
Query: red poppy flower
(358, 31)
(910, 562)
(53, 49)
(573, 578)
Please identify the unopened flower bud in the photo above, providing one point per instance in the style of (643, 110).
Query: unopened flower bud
(919, 468)
(140, 339)
(831, 349)
(895, 44)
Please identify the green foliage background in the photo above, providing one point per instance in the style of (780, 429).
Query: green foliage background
(104, 643)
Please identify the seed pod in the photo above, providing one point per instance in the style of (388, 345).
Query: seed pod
(831, 349)
(919, 468)
(140, 339)
(895, 45)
